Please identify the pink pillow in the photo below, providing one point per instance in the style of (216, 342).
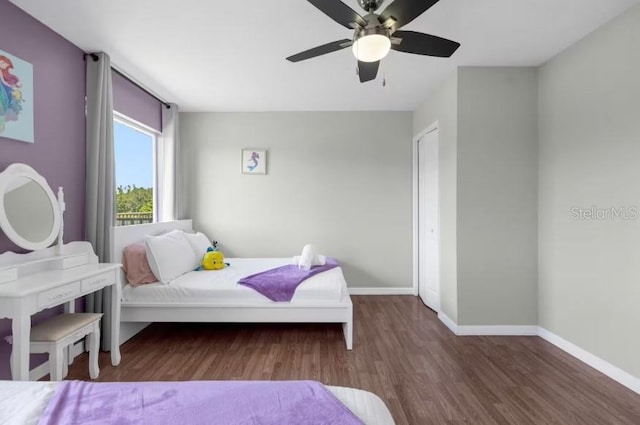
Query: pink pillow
(136, 265)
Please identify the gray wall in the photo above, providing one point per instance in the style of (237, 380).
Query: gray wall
(589, 288)
(442, 106)
(497, 196)
(339, 180)
(488, 188)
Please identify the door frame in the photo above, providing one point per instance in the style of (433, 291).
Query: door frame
(416, 235)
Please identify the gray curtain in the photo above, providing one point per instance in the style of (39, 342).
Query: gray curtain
(169, 168)
(100, 179)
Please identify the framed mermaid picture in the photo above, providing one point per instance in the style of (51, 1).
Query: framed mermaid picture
(16, 98)
(254, 161)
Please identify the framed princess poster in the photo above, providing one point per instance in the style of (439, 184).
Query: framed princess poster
(16, 98)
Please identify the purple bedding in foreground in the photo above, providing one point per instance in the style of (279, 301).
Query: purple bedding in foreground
(280, 284)
(195, 403)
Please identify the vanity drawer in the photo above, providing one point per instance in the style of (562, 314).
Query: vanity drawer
(99, 281)
(59, 295)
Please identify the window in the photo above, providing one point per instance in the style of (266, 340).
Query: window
(135, 153)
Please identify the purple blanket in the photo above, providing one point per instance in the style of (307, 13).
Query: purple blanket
(280, 284)
(195, 403)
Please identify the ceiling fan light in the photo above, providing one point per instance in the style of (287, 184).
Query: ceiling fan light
(371, 48)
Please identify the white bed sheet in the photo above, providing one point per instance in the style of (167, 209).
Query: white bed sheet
(221, 286)
(365, 405)
(22, 403)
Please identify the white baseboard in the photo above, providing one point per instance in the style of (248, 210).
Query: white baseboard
(497, 330)
(453, 327)
(462, 330)
(41, 371)
(380, 291)
(130, 329)
(613, 372)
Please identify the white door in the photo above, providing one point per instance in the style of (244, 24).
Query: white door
(428, 221)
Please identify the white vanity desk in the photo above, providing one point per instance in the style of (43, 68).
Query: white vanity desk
(36, 290)
(32, 218)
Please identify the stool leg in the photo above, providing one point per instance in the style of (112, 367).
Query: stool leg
(55, 363)
(69, 307)
(70, 356)
(94, 349)
(65, 362)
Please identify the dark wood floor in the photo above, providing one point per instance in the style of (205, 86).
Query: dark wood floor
(401, 352)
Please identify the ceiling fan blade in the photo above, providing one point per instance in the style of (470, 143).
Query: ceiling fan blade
(339, 12)
(405, 11)
(367, 71)
(424, 44)
(321, 50)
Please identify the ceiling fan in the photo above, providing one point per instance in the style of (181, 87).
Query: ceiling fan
(376, 34)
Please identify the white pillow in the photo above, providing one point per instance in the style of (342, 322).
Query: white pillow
(170, 255)
(199, 242)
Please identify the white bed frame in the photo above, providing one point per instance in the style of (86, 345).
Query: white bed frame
(136, 316)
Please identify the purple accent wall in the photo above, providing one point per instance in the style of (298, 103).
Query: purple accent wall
(132, 101)
(59, 149)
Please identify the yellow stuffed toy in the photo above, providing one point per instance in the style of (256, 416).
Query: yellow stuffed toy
(213, 260)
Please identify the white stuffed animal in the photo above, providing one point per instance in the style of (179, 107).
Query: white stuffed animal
(306, 259)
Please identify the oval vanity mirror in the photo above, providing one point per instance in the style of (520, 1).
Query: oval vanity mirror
(29, 212)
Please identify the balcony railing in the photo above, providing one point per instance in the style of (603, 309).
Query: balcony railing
(129, 219)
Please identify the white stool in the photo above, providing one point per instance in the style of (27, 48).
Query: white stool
(58, 333)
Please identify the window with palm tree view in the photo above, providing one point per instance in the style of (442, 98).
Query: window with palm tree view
(134, 158)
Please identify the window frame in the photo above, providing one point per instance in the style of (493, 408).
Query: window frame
(155, 136)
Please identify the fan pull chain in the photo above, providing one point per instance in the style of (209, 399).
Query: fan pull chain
(357, 63)
(384, 75)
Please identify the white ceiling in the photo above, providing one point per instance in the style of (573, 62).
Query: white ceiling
(230, 55)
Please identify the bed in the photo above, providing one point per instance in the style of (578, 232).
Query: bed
(195, 297)
(25, 403)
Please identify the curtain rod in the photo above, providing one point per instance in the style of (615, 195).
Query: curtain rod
(95, 59)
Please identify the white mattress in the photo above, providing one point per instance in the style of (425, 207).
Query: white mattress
(22, 403)
(215, 286)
